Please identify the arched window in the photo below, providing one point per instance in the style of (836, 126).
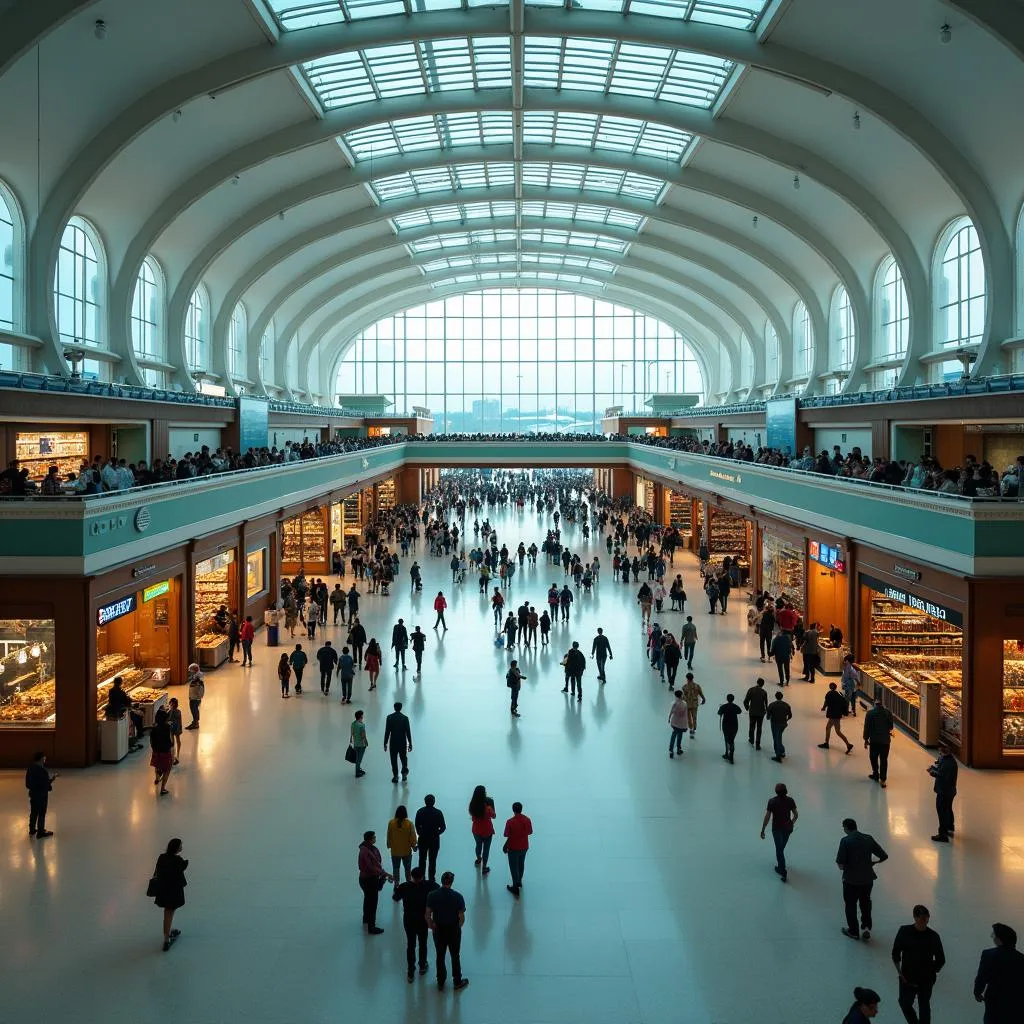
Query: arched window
(842, 330)
(12, 357)
(147, 322)
(196, 329)
(724, 371)
(959, 288)
(803, 341)
(771, 354)
(518, 359)
(267, 345)
(79, 294)
(893, 312)
(236, 342)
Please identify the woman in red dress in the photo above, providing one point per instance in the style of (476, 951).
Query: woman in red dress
(372, 661)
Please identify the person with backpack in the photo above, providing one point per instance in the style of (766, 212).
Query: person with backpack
(835, 708)
(514, 681)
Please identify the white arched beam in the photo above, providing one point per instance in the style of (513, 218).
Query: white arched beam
(27, 22)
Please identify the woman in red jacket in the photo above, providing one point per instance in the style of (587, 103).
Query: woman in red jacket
(439, 606)
(481, 810)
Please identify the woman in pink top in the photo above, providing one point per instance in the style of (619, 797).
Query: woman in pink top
(481, 810)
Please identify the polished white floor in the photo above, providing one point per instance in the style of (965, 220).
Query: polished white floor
(648, 895)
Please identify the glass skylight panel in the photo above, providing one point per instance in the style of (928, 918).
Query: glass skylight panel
(462, 239)
(598, 179)
(628, 69)
(294, 14)
(574, 239)
(415, 68)
(443, 179)
(621, 134)
(454, 212)
(579, 262)
(440, 131)
(582, 212)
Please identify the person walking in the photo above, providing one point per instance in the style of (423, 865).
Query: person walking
(518, 830)
(545, 628)
(865, 1006)
(565, 600)
(944, 772)
(532, 622)
(413, 897)
(835, 708)
(374, 657)
(234, 637)
(575, 666)
(811, 651)
(418, 641)
(678, 719)
(352, 599)
(398, 732)
(850, 681)
(346, 675)
(878, 729)
(167, 887)
(358, 742)
(918, 955)
(196, 692)
(337, 600)
(782, 813)
(514, 681)
(782, 652)
(755, 701)
(857, 856)
(311, 616)
(400, 642)
(497, 607)
(298, 659)
(174, 721)
(357, 639)
(671, 656)
(765, 630)
(284, 674)
(161, 743)
(430, 825)
(401, 841)
(601, 652)
(372, 878)
(778, 714)
(327, 659)
(999, 983)
(688, 634)
(481, 813)
(246, 635)
(446, 914)
(693, 695)
(729, 722)
(439, 606)
(39, 783)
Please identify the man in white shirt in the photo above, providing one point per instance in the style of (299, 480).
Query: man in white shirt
(110, 476)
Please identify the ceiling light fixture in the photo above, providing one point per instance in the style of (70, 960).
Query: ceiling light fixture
(796, 182)
(235, 180)
(945, 33)
(755, 221)
(856, 120)
(99, 29)
(280, 216)
(176, 116)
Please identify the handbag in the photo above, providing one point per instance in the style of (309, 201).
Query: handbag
(350, 754)
(153, 887)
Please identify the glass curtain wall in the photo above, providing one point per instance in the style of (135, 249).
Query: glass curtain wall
(519, 360)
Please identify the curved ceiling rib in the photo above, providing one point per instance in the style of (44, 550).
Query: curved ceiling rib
(1004, 21)
(26, 23)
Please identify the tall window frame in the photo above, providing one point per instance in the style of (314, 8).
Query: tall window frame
(237, 333)
(892, 311)
(79, 294)
(12, 277)
(514, 359)
(843, 330)
(803, 340)
(268, 344)
(197, 330)
(772, 369)
(959, 286)
(746, 364)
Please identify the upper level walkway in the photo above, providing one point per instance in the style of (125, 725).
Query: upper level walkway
(88, 535)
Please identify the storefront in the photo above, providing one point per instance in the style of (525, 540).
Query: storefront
(828, 598)
(783, 564)
(346, 522)
(215, 594)
(911, 634)
(730, 536)
(37, 450)
(679, 512)
(304, 545)
(28, 658)
(386, 494)
(645, 495)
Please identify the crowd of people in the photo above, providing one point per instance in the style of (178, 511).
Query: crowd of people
(459, 526)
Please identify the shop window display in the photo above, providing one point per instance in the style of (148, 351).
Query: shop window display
(304, 543)
(28, 689)
(255, 572)
(680, 512)
(910, 647)
(216, 583)
(386, 494)
(1013, 696)
(783, 570)
(37, 452)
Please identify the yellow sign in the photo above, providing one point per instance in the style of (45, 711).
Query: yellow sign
(155, 591)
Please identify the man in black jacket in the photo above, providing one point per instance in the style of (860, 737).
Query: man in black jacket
(398, 732)
(575, 666)
(835, 707)
(944, 772)
(878, 727)
(601, 651)
(1000, 979)
(857, 856)
(38, 782)
(327, 658)
(429, 826)
(400, 642)
(918, 956)
(419, 642)
(756, 704)
(765, 629)
(413, 897)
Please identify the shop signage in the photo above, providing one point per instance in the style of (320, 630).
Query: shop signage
(729, 478)
(108, 612)
(921, 604)
(906, 572)
(143, 570)
(155, 591)
(827, 555)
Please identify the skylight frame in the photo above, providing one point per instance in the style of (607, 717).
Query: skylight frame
(430, 132)
(449, 178)
(602, 132)
(454, 213)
